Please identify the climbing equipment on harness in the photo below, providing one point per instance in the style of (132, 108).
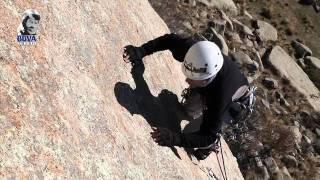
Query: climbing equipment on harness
(192, 102)
(242, 109)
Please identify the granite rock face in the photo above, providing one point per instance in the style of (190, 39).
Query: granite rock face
(227, 5)
(265, 31)
(313, 62)
(289, 69)
(70, 108)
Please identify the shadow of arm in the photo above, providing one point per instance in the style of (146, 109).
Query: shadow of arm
(141, 85)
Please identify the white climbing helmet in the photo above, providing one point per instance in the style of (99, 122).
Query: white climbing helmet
(202, 61)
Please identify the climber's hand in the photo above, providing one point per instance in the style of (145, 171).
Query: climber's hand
(164, 137)
(133, 54)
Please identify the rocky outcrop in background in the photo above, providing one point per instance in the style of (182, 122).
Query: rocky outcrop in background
(70, 108)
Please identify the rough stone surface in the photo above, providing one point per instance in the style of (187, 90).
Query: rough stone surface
(219, 25)
(227, 19)
(318, 132)
(188, 25)
(241, 58)
(241, 28)
(301, 63)
(316, 146)
(259, 60)
(301, 49)
(261, 173)
(265, 103)
(316, 6)
(271, 165)
(270, 83)
(227, 5)
(281, 99)
(247, 14)
(69, 106)
(233, 37)
(285, 173)
(192, 2)
(219, 40)
(296, 134)
(307, 140)
(290, 161)
(290, 70)
(265, 31)
(258, 162)
(312, 61)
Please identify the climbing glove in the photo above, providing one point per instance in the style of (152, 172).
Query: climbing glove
(165, 137)
(133, 54)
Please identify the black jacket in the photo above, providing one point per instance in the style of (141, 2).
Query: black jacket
(217, 95)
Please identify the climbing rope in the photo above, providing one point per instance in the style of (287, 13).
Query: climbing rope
(224, 172)
(209, 172)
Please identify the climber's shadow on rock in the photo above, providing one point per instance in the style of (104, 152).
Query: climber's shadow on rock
(160, 111)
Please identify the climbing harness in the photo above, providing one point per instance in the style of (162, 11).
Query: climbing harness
(245, 108)
(186, 93)
(248, 101)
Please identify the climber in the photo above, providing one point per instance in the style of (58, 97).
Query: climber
(214, 83)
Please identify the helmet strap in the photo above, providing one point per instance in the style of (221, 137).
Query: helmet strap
(208, 81)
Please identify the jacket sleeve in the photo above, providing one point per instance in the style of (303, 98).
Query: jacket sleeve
(207, 134)
(173, 42)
